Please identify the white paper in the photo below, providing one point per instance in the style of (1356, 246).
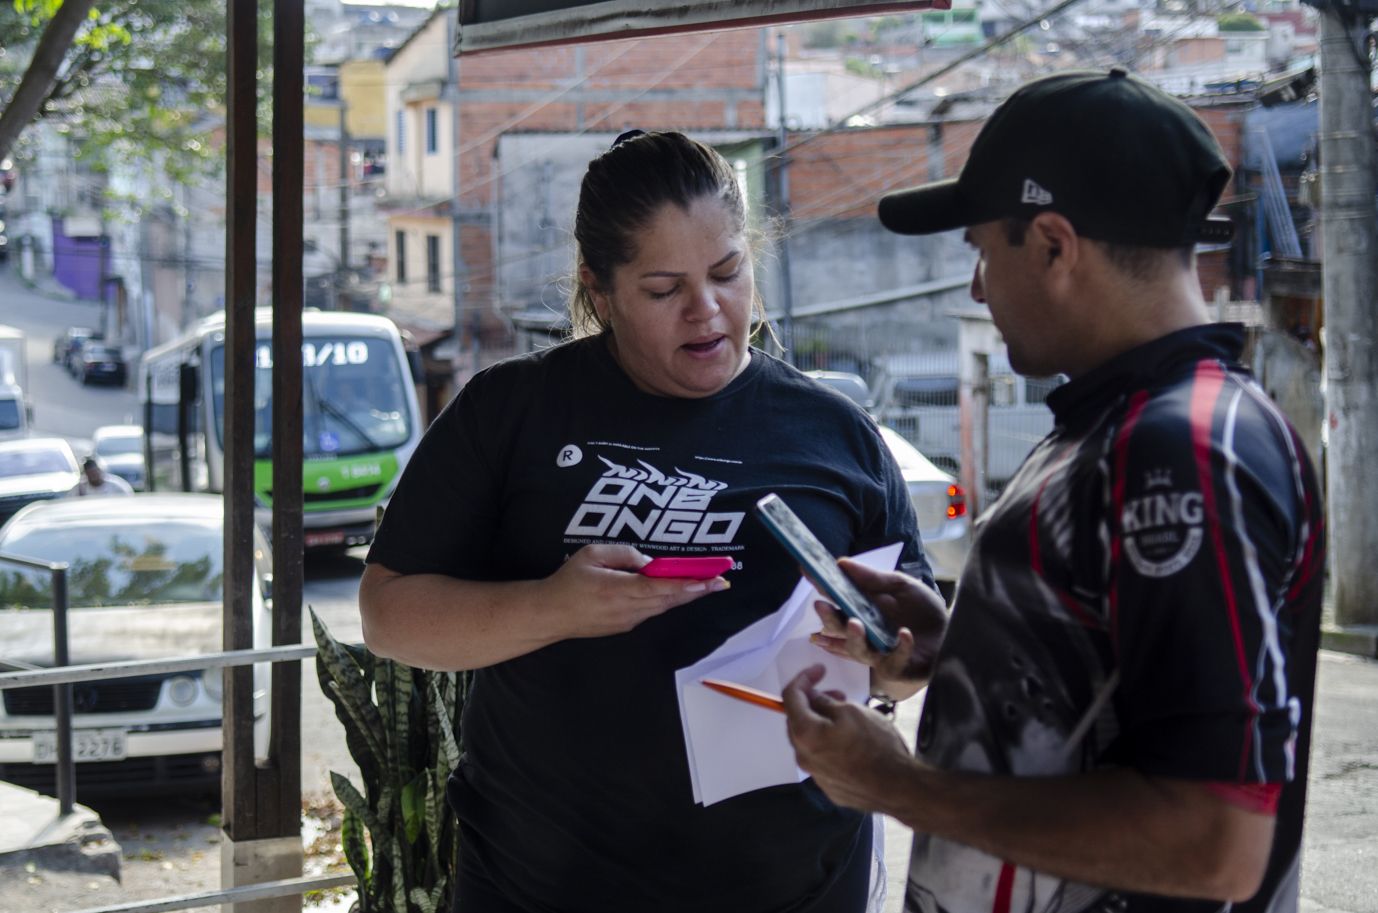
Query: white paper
(734, 747)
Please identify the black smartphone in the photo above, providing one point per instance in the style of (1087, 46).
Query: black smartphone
(822, 569)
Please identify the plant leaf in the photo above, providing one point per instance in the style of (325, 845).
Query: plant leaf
(353, 801)
(356, 849)
(413, 807)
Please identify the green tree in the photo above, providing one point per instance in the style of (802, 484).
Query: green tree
(135, 77)
(1239, 22)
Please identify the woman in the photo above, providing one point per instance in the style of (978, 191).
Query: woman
(512, 542)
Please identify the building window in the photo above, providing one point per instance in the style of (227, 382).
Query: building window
(432, 263)
(432, 133)
(401, 257)
(401, 130)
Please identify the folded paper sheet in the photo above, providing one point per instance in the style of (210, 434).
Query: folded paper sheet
(735, 747)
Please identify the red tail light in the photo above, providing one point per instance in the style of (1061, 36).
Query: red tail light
(956, 502)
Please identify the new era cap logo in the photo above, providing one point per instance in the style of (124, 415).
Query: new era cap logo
(1035, 194)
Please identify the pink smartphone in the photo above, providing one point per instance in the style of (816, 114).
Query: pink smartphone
(701, 568)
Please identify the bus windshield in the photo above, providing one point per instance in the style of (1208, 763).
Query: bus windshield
(353, 398)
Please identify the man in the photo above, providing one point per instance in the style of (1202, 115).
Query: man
(96, 481)
(1119, 710)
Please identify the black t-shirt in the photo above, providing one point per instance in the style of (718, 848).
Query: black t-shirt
(1145, 594)
(575, 784)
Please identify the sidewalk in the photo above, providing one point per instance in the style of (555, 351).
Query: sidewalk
(41, 284)
(34, 835)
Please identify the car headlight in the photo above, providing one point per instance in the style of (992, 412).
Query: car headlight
(181, 690)
(213, 680)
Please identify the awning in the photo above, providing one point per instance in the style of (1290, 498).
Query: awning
(488, 25)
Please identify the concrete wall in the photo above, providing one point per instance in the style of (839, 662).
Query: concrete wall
(699, 83)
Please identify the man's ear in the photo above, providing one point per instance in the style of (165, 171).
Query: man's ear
(1055, 241)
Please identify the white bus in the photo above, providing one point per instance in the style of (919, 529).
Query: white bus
(361, 421)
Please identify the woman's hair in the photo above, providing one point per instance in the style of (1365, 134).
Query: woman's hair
(620, 194)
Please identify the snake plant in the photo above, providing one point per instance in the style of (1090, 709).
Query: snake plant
(402, 728)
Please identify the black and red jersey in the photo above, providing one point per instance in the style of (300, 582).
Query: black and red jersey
(1146, 593)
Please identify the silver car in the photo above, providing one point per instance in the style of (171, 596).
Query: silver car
(119, 449)
(35, 469)
(939, 501)
(144, 581)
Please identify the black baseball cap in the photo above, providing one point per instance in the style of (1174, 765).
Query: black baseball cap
(1122, 160)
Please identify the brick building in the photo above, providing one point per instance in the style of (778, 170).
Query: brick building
(698, 82)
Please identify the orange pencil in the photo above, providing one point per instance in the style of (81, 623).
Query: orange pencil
(750, 695)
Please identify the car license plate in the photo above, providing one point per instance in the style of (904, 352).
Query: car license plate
(329, 537)
(87, 745)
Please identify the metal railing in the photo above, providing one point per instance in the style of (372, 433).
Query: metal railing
(65, 768)
(62, 676)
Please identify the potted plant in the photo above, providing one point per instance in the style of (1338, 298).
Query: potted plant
(402, 729)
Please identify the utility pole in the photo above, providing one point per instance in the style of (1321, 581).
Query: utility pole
(342, 270)
(1349, 280)
(782, 170)
(457, 268)
(188, 282)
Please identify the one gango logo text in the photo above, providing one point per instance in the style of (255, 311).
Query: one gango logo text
(645, 503)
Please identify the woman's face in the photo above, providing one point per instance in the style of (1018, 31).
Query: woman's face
(680, 312)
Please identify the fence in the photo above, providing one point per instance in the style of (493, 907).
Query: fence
(62, 676)
(916, 391)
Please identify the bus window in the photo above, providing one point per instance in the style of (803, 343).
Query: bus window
(353, 396)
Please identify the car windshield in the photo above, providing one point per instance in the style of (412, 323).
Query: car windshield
(33, 462)
(353, 396)
(110, 446)
(96, 352)
(117, 563)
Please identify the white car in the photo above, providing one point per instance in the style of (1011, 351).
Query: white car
(119, 449)
(144, 582)
(939, 501)
(940, 505)
(35, 469)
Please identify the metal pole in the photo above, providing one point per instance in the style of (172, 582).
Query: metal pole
(457, 267)
(62, 699)
(782, 169)
(186, 399)
(149, 484)
(1349, 279)
(342, 271)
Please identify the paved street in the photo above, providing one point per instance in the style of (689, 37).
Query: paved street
(172, 847)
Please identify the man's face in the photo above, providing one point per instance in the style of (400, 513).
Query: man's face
(1007, 280)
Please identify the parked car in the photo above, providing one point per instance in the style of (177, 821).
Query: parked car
(69, 341)
(145, 581)
(918, 394)
(939, 501)
(941, 507)
(100, 363)
(35, 469)
(119, 449)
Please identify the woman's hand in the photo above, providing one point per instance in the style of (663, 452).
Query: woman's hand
(598, 592)
(911, 606)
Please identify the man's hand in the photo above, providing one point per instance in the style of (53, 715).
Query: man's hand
(854, 754)
(912, 607)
